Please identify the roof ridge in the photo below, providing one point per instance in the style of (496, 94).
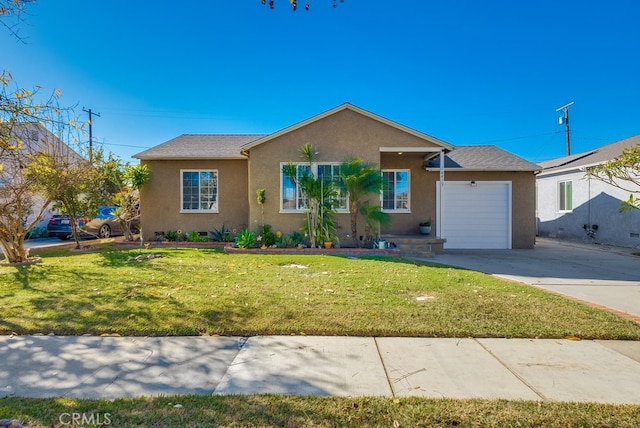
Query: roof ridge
(241, 134)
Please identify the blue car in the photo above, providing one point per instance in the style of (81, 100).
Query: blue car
(60, 226)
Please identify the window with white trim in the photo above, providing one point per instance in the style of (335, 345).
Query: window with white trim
(565, 196)
(395, 195)
(292, 198)
(199, 190)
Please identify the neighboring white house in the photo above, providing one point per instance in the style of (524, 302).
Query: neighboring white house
(571, 205)
(34, 138)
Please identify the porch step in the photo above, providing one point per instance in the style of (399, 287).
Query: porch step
(416, 245)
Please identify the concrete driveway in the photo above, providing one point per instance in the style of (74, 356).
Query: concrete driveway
(602, 275)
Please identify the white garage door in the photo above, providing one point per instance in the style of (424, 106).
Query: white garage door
(476, 214)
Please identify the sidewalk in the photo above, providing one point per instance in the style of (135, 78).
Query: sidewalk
(513, 369)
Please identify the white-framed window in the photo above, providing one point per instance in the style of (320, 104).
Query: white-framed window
(330, 174)
(292, 198)
(199, 190)
(396, 195)
(565, 196)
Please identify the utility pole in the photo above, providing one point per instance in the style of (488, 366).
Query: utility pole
(565, 119)
(91, 114)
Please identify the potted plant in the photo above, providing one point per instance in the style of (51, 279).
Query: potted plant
(329, 239)
(425, 227)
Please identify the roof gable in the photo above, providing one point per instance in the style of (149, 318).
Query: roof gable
(347, 106)
(592, 157)
(483, 158)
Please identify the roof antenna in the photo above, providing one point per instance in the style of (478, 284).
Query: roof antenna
(564, 119)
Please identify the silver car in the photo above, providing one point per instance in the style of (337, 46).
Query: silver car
(106, 224)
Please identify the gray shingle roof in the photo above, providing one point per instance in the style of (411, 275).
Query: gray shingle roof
(483, 158)
(200, 146)
(591, 157)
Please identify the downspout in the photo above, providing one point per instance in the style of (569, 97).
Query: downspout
(439, 214)
(588, 201)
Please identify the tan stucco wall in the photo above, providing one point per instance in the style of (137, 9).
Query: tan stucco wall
(337, 137)
(422, 193)
(423, 197)
(160, 198)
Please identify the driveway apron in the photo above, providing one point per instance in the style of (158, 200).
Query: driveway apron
(601, 275)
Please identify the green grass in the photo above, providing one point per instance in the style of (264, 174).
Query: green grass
(190, 292)
(287, 411)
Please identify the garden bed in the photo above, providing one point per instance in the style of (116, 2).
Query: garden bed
(229, 248)
(354, 252)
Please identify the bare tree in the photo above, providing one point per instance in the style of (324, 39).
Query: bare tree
(294, 4)
(12, 15)
(128, 199)
(26, 126)
(29, 130)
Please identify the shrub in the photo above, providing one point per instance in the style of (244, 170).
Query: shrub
(246, 239)
(222, 235)
(175, 235)
(37, 232)
(195, 236)
(296, 237)
(268, 238)
(289, 241)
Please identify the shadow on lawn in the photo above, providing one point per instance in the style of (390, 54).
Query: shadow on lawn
(30, 273)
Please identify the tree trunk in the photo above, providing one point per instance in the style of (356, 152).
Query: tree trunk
(354, 210)
(14, 250)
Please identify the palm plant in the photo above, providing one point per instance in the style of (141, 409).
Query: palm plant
(360, 180)
(319, 199)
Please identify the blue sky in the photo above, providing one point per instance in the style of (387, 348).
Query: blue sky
(465, 71)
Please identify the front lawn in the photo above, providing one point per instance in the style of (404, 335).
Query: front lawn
(287, 411)
(191, 292)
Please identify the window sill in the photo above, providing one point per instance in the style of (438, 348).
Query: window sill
(198, 211)
(304, 211)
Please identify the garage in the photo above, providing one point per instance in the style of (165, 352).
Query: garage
(475, 214)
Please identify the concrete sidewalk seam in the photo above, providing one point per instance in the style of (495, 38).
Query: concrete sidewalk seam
(513, 372)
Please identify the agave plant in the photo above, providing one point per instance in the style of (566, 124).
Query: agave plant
(246, 239)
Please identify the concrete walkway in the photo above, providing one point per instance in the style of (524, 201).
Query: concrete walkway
(514, 369)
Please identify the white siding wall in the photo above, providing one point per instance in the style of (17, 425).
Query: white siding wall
(594, 203)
